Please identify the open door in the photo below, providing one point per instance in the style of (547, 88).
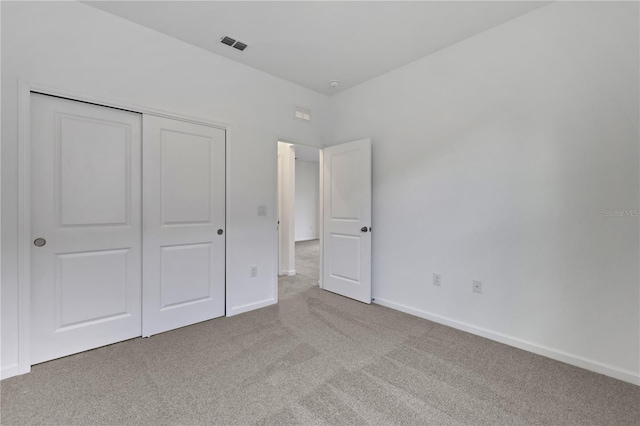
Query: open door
(347, 220)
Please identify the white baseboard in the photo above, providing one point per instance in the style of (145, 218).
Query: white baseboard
(290, 273)
(576, 360)
(306, 239)
(236, 310)
(9, 371)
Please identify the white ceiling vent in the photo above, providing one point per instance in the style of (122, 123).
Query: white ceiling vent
(303, 114)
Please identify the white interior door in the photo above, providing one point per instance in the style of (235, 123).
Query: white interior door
(184, 223)
(85, 209)
(347, 219)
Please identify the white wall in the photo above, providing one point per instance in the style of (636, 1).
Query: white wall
(496, 159)
(307, 196)
(74, 47)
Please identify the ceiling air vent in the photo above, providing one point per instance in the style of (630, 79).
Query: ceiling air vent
(233, 43)
(240, 45)
(227, 40)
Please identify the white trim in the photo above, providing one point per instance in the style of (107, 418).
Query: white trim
(290, 273)
(227, 216)
(237, 310)
(321, 216)
(289, 206)
(10, 371)
(558, 355)
(25, 89)
(276, 220)
(306, 239)
(286, 140)
(24, 227)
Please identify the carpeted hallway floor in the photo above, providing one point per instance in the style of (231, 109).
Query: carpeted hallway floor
(315, 358)
(307, 270)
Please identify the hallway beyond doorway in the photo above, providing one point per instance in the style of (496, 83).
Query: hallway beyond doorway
(307, 270)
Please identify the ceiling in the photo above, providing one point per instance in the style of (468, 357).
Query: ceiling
(307, 153)
(311, 43)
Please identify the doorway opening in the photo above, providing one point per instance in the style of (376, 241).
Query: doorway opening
(299, 218)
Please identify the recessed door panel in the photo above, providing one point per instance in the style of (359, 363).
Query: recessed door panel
(345, 257)
(345, 186)
(186, 178)
(94, 171)
(85, 213)
(186, 275)
(91, 286)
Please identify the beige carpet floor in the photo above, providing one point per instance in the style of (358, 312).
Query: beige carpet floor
(315, 358)
(307, 270)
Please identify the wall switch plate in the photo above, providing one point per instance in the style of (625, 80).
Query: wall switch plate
(477, 286)
(253, 271)
(437, 279)
(262, 210)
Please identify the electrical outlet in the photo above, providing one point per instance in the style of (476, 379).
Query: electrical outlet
(262, 210)
(253, 271)
(477, 286)
(437, 279)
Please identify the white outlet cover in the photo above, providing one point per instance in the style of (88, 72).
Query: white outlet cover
(262, 210)
(437, 279)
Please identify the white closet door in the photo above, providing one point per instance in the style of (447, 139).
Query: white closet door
(347, 219)
(85, 209)
(184, 224)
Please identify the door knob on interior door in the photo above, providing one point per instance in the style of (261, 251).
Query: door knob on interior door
(220, 231)
(39, 242)
(364, 229)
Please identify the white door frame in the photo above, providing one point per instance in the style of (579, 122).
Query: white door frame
(321, 218)
(278, 214)
(320, 210)
(286, 206)
(25, 88)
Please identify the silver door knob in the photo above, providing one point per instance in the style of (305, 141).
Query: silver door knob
(364, 229)
(220, 231)
(39, 242)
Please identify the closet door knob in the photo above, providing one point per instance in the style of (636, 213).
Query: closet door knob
(39, 242)
(364, 229)
(220, 231)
